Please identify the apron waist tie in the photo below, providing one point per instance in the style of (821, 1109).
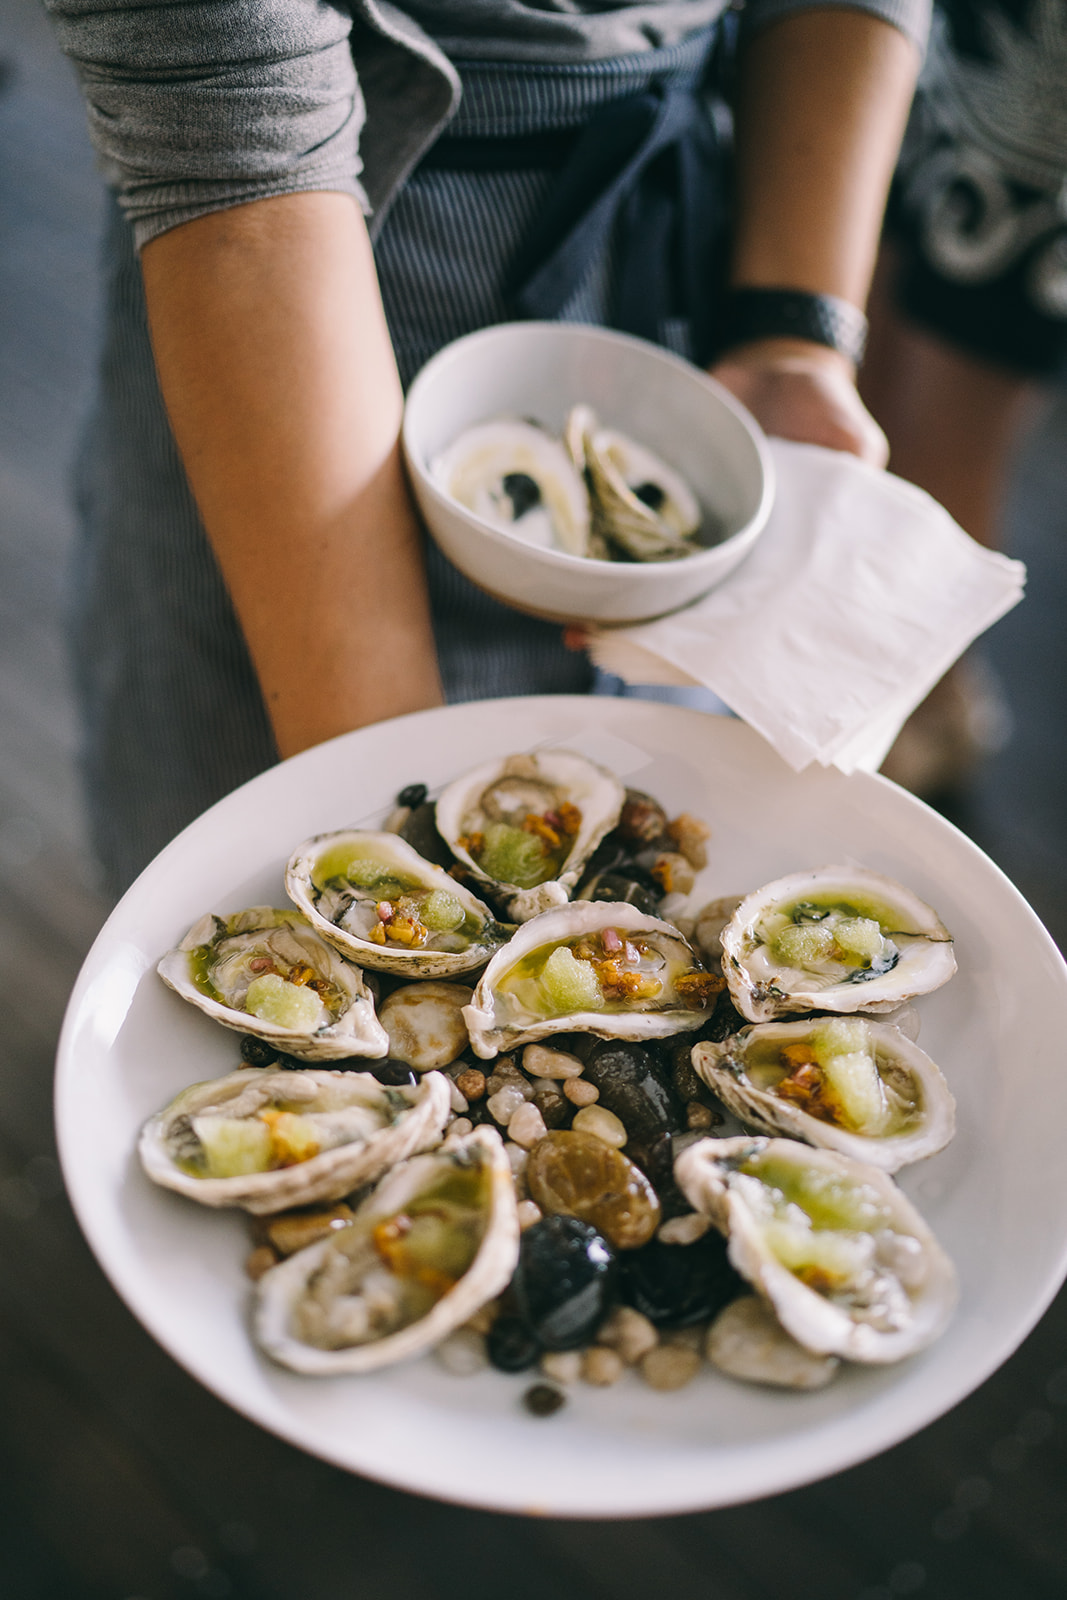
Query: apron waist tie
(645, 174)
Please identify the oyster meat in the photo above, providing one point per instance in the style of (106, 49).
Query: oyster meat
(519, 479)
(376, 898)
(267, 972)
(840, 939)
(845, 1083)
(846, 1261)
(437, 1240)
(525, 827)
(266, 1139)
(594, 967)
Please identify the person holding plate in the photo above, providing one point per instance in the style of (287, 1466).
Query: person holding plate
(322, 195)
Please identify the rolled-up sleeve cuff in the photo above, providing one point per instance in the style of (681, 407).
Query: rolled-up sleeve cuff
(199, 107)
(912, 17)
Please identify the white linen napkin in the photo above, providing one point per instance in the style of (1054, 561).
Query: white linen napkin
(857, 597)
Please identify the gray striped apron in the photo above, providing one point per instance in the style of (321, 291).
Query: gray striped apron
(173, 716)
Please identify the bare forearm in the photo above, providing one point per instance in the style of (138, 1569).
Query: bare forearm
(822, 101)
(283, 395)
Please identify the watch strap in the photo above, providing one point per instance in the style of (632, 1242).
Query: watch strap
(825, 319)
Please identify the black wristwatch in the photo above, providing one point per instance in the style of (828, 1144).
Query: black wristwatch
(793, 314)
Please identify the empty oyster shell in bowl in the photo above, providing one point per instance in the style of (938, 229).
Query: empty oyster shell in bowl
(267, 972)
(380, 902)
(266, 1139)
(840, 939)
(437, 1240)
(590, 967)
(642, 509)
(526, 826)
(845, 1083)
(843, 1257)
(520, 479)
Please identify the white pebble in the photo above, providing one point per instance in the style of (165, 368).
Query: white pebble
(580, 1092)
(565, 1366)
(602, 1366)
(462, 1353)
(684, 1230)
(602, 1124)
(747, 1341)
(518, 1158)
(504, 1104)
(457, 1099)
(529, 1212)
(458, 1130)
(628, 1332)
(527, 1125)
(692, 1337)
(670, 1366)
(542, 1062)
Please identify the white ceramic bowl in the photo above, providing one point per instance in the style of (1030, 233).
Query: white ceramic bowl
(540, 370)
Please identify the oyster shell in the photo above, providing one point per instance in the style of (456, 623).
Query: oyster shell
(266, 1139)
(844, 1083)
(520, 479)
(380, 902)
(526, 826)
(848, 1264)
(437, 1239)
(267, 972)
(640, 505)
(633, 977)
(838, 939)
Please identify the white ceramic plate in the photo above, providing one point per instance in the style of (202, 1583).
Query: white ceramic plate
(997, 1197)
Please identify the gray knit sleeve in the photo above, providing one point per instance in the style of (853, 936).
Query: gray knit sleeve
(197, 105)
(912, 17)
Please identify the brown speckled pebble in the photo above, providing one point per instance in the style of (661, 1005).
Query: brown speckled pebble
(542, 1399)
(699, 1117)
(670, 1366)
(471, 1083)
(602, 1366)
(260, 1261)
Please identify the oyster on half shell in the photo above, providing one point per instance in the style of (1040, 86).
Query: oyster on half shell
(266, 1139)
(380, 902)
(845, 1083)
(593, 966)
(840, 939)
(267, 972)
(437, 1239)
(526, 826)
(845, 1260)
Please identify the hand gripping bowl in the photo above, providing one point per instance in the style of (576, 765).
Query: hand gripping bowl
(539, 370)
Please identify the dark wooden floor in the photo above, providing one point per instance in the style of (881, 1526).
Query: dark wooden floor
(120, 1477)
